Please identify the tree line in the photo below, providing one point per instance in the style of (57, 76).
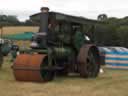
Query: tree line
(113, 33)
(12, 20)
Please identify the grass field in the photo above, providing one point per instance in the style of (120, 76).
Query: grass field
(111, 83)
(18, 29)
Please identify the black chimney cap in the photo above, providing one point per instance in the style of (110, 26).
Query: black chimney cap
(44, 8)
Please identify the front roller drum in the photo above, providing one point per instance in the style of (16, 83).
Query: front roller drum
(29, 67)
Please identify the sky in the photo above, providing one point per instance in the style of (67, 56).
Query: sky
(86, 8)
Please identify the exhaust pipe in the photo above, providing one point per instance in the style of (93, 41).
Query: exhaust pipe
(40, 39)
(44, 20)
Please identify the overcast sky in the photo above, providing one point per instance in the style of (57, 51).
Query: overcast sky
(86, 8)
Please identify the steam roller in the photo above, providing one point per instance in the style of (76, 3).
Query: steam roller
(60, 47)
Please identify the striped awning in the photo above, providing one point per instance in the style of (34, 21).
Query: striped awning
(115, 57)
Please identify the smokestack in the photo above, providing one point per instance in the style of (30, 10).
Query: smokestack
(40, 39)
(44, 20)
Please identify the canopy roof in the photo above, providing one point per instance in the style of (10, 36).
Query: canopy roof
(66, 17)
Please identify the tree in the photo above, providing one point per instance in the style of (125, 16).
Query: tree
(102, 17)
(122, 33)
(12, 19)
(105, 35)
(3, 18)
(8, 20)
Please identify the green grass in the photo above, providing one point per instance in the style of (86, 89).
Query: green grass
(110, 83)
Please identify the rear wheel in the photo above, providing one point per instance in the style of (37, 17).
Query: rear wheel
(92, 65)
(90, 62)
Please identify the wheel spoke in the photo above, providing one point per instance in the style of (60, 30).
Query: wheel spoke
(91, 64)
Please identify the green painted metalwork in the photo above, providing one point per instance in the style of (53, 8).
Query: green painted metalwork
(20, 36)
(79, 40)
(43, 51)
(62, 52)
(5, 49)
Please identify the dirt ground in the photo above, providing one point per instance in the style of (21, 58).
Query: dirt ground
(110, 83)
